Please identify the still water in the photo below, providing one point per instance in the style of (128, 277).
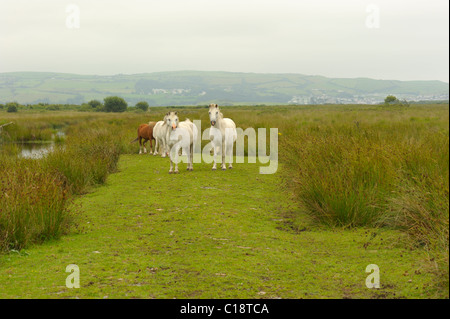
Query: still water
(35, 150)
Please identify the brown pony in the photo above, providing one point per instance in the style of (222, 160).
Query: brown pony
(145, 132)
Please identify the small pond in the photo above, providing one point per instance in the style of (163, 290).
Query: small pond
(36, 150)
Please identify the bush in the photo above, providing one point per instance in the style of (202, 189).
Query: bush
(142, 105)
(94, 104)
(115, 104)
(12, 107)
(390, 99)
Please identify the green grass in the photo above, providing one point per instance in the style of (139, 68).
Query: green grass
(354, 181)
(209, 239)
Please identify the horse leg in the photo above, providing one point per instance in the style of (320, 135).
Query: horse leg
(214, 152)
(143, 144)
(151, 148)
(140, 145)
(223, 147)
(171, 165)
(188, 158)
(191, 155)
(230, 156)
(156, 147)
(176, 168)
(164, 148)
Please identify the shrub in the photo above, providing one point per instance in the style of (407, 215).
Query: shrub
(390, 99)
(115, 104)
(12, 107)
(142, 105)
(94, 104)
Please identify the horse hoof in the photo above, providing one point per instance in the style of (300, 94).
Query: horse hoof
(176, 172)
(213, 168)
(170, 172)
(224, 168)
(230, 167)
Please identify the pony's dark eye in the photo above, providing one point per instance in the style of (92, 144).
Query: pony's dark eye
(209, 112)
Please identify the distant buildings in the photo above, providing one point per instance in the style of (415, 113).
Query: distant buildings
(323, 98)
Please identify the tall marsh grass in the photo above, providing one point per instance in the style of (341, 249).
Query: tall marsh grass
(374, 167)
(85, 159)
(35, 193)
(32, 203)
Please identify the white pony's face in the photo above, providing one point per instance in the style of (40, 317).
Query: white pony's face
(213, 114)
(172, 120)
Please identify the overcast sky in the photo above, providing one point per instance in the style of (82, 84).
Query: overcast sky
(396, 39)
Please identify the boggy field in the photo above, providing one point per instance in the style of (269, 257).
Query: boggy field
(356, 185)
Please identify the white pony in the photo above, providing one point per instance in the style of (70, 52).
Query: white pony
(159, 133)
(228, 135)
(183, 134)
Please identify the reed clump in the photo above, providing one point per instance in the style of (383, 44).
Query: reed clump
(33, 203)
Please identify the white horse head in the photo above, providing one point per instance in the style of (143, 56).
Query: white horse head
(214, 114)
(172, 120)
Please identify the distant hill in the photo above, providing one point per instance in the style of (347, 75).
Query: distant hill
(201, 87)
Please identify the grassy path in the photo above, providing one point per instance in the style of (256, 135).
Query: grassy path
(204, 234)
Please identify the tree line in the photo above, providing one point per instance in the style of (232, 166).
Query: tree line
(109, 104)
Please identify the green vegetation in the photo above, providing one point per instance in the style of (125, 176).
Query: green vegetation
(33, 208)
(115, 104)
(12, 107)
(200, 88)
(356, 185)
(95, 104)
(142, 105)
(33, 204)
(372, 172)
(392, 100)
(209, 239)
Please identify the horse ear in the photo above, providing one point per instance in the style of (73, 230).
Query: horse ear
(216, 106)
